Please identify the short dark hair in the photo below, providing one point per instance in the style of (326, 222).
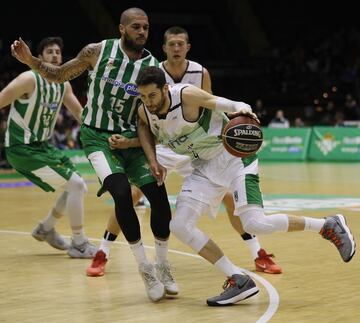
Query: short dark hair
(151, 74)
(129, 13)
(45, 42)
(175, 30)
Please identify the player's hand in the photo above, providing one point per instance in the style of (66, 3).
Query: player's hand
(159, 172)
(242, 113)
(119, 142)
(21, 51)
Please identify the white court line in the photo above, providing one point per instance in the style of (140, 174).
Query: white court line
(273, 294)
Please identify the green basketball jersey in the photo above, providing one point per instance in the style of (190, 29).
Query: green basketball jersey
(33, 119)
(113, 98)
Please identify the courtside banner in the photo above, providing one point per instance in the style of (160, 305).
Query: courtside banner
(285, 143)
(335, 144)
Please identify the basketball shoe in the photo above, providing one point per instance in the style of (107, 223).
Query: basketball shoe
(154, 288)
(97, 266)
(163, 272)
(53, 238)
(336, 230)
(264, 263)
(236, 288)
(83, 250)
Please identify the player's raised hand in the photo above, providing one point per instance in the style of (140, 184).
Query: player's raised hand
(21, 51)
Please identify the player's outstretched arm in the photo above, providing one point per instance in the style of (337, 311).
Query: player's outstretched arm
(194, 97)
(86, 59)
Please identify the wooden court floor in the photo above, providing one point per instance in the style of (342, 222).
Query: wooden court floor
(41, 284)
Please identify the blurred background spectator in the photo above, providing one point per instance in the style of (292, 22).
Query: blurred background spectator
(279, 121)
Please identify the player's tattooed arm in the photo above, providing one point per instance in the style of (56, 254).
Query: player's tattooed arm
(86, 59)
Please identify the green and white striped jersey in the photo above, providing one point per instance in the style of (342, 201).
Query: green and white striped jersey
(113, 98)
(33, 119)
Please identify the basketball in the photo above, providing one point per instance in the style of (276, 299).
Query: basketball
(242, 136)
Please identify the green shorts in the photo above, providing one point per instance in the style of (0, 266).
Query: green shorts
(43, 164)
(106, 161)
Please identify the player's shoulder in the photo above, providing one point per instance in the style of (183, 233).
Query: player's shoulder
(184, 90)
(194, 66)
(148, 56)
(27, 76)
(179, 87)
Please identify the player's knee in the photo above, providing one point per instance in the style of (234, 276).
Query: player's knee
(179, 229)
(258, 226)
(76, 183)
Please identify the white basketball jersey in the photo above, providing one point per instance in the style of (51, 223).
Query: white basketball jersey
(200, 139)
(192, 75)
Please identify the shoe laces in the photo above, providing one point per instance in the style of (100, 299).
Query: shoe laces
(330, 234)
(149, 278)
(165, 273)
(267, 257)
(229, 283)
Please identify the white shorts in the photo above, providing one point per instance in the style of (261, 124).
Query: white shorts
(213, 178)
(173, 162)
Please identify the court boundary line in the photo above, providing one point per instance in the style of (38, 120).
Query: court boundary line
(273, 295)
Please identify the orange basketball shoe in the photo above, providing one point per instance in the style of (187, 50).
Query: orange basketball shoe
(97, 267)
(265, 264)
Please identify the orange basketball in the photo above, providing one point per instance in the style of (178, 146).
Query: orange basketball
(242, 136)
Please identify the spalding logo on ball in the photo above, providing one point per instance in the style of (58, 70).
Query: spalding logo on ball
(242, 136)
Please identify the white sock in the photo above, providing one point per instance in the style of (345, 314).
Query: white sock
(312, 224)
(161, 249)
(50, 221)
(75, 207)
(105, 246)
(55, 213)
(139, 252)
(227, 267)
(75, 211)
(254, 246)
(78, 235)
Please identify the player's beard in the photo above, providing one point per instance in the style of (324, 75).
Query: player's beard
(160, 106)
(131, 45)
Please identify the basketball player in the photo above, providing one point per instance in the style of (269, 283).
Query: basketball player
(178, 69)
(35, 105)
(112, 104)
(189, 121)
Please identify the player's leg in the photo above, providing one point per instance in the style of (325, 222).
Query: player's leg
(188, 210)
(118, 186)
(159, 221)
(159, 218)
(75, 187)
(115, 169)
(48, 168)
(248, 207)
(263, 260)
(80, 245)
(110, 167)
(45, 230)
